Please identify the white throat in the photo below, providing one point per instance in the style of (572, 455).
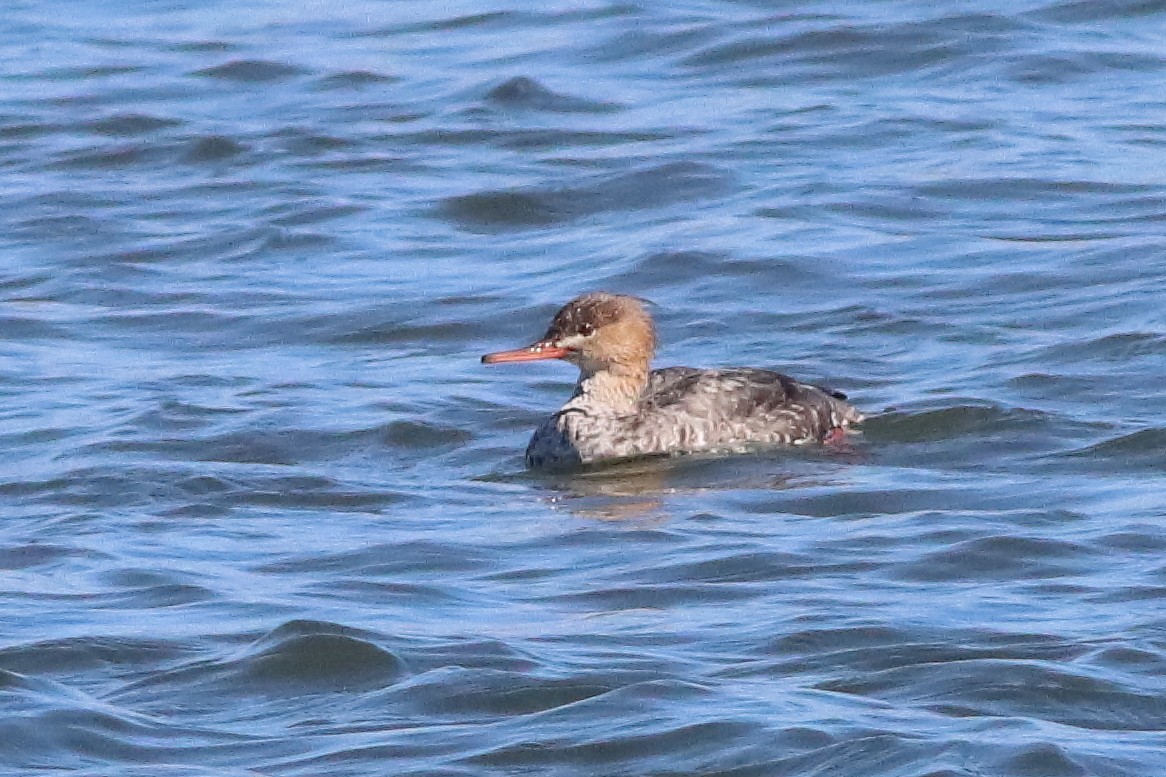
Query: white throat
(609, 390)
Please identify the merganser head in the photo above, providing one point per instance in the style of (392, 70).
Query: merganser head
(597, 331)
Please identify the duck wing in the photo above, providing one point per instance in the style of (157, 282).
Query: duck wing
(746, 405)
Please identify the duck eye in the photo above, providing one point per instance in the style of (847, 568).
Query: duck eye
(586, 329)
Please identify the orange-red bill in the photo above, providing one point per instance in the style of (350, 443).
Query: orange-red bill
(531, 353)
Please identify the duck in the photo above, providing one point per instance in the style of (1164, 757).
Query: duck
(621, 408)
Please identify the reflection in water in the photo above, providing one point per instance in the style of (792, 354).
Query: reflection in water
(638, 490)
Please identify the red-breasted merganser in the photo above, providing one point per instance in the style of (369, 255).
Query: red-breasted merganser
(621, 409)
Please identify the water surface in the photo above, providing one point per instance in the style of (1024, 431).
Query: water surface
(265, 513)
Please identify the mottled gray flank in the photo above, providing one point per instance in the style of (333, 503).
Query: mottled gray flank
(686, 410)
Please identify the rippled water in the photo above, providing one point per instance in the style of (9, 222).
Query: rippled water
(265, 513)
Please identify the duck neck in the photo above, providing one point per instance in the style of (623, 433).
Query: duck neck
(616, 388)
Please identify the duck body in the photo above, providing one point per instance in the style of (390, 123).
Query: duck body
(687, 410)
(621, 409)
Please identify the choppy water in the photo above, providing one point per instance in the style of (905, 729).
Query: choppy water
(264, 512)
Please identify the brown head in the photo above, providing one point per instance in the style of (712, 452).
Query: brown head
(597, 331)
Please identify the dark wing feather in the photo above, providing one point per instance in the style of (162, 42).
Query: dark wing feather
(739, 390)
(763, 398)
(760, 390)
(670, 385)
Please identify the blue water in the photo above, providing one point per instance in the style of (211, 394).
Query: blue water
(263, 511)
